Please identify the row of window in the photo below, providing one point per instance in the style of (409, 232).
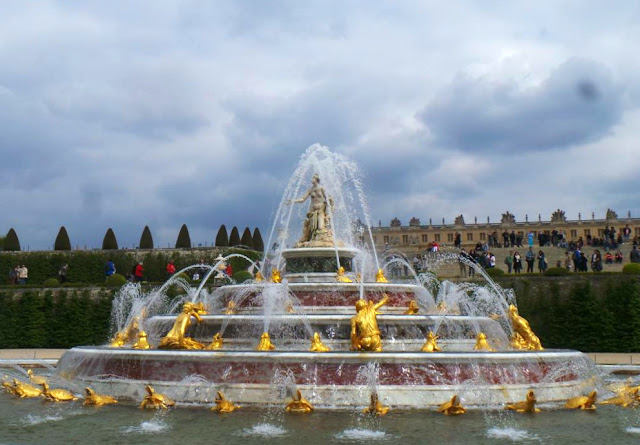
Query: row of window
(573, 235)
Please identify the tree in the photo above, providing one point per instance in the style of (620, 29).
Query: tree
(222, 239)
(11, 242)
(109, 242)
(234, 238)
(62, 240)
(146, 240)
(184, 240)
(258, 244)
(247, 239)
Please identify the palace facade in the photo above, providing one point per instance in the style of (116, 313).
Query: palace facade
(416, 237)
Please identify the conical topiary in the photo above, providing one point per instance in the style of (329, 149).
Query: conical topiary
(109, 242)
(184, 240)
(62, 240)
(11, 242)
(258, 244)
(222, 239)
(146, 240)
(234, 238)
(247, 239)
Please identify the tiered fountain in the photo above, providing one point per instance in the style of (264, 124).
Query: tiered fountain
(320, 317)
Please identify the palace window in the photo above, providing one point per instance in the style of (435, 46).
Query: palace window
(405, 239)
(587, 232)
(437, 237)
(469, 236)
(600, 233)
(425, 238)
(637, 231)
(574, 233)
(375, 239)
(450, 237)
(386, 239)
(483, 236)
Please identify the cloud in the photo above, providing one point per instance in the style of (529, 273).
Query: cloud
(578, 103)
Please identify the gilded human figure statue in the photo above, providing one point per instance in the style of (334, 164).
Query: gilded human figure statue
(365, 335)
(521, 327)
(316, 231)
(175, 338)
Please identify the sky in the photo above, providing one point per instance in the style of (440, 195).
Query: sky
(124, 114)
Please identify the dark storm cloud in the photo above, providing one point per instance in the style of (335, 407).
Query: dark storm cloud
(578, 103)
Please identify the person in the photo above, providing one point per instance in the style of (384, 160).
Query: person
(473, 258)
(229, 270)
(13, 275)
(608, 258)
(619, 257)
(492, 260)
(626, 232)
(171, 269)
(567, 261)
(634, 255)
(202, 270)
(530, 237)
(109, 268)
(577, 260)
(139, 272)
(458, 240)
(463, 267)
(23, 274)
(531, 259)
(517, 262)
(509, 262)
(62, 273)
(596, 261)
(542, 262)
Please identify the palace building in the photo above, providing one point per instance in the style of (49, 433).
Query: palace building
(416, 237)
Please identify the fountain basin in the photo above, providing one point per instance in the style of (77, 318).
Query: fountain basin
(331, 380)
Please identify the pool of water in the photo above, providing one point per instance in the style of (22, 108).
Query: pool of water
(32, 421)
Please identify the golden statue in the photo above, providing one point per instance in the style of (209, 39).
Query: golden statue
(452, 407)
(358, 278)
(299, 405)
(624, 399)
(412, 309)
(582, 402)
(521, 326)
(275, 276)
(316, 344)
(430, 345)
(526, 406)
(290, 309)
(482, 344)
(231, 308)
(176, 339)
(380, 278)
(265, 343)
(375, 406)
(224, 406)
(57, 395)
(216, 343)
(93, 399)
(316, 229)
(36, 379)
(24, 390)
(258, 278)
(341, 277)
(129, 333)
(142, 342)
(153, 400)
(9, 386)
(117, 341)
(365, 335)
(517, 342)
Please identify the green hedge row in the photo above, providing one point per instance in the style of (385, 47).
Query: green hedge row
(589, 318)
(88, 267)
(44, 319)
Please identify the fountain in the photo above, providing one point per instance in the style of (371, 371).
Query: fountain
(327, 317)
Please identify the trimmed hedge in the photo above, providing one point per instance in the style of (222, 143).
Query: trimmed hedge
(184, 240)
(234, 237)
(222, 239)
(258, 244)
(494, 272)
(11, 242)
(51, 282)
(109, 242)
(62, 240)
(115, 280)
(631, 269)
(48, 319)
(146, 240)
(557, 272)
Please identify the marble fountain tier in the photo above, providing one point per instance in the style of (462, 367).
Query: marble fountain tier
(327, 323)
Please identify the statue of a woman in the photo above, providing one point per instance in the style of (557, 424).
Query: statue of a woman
(315, 230)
